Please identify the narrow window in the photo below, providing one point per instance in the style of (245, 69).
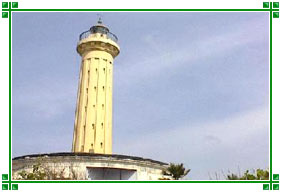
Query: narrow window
(101, 144)
(93, 125)
(102, 106)
(91, 150)
(102, 87)
(101, 124)
(94, 106)
(95, 87)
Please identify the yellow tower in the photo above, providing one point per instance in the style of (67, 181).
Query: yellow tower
(93, 116)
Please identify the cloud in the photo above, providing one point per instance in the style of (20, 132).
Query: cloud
(212, 139)
(172, 54)
(238, 140)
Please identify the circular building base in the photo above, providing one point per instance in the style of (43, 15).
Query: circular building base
(86, 166)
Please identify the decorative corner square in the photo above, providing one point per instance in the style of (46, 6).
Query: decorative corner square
(4, 176)
(275, 176)
(275, 186)
(5, 187)
(265, 4)
(15, 187)
(5, 5)
(265, 187)
(15, 4)
(4, 14)
(275, 4)
(275, 14)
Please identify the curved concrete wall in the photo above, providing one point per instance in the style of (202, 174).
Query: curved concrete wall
(81, 167)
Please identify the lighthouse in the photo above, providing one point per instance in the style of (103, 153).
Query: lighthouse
(93, 116)
(91, 157)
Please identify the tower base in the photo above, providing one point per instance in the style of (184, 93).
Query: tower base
(87, 166)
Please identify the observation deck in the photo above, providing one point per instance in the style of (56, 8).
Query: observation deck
(98, 37)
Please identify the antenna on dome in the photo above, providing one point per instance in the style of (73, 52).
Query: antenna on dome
(99, 16)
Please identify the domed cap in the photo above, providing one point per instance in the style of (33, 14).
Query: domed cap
(99, 28)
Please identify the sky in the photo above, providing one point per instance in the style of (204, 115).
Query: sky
(189, 87)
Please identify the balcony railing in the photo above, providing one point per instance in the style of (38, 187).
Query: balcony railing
(108, 34)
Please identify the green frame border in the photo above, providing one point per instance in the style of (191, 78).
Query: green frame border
(9, 7)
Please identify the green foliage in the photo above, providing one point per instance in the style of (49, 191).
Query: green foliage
(232, 177)
(259, 174)
(262, 174)
(177, 171)
(40, 172)
(36, 174)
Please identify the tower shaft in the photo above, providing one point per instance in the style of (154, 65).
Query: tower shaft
(93, 116)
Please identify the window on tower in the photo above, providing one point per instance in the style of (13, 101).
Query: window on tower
(91, 150)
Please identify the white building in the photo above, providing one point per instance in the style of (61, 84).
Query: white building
(91, 166)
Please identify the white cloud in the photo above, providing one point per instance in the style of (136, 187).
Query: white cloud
(239, 140)
(169, 57)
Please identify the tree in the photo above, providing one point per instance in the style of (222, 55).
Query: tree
(262, 174)
(259, 174)
(177, 171)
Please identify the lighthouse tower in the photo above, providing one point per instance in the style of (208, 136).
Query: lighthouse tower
(93, 117)
(92, 136)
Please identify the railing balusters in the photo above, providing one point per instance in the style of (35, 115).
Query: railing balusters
(86, 34)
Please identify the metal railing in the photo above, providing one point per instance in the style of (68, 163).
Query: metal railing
(108, 34)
